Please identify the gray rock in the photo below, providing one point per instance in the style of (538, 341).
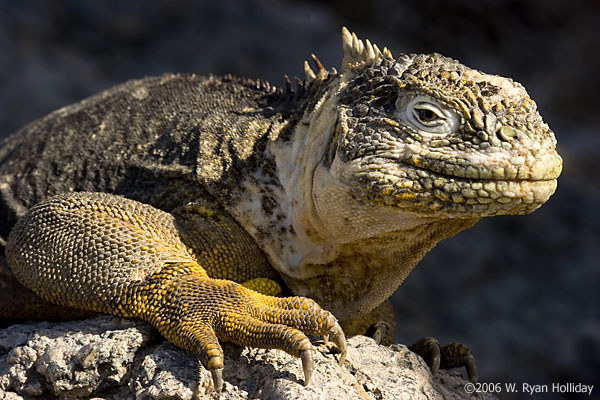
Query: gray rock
(111, 358)
(70, 360)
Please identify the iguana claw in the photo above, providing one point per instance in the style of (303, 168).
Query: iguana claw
(471, 366)
(308, 365)
(217, 377)
(380, 332)
(336, 335)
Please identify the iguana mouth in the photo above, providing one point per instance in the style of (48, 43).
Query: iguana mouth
(542, 168)
(424, 190)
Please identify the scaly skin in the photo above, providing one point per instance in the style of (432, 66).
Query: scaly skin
(334, 191)
(125, 258)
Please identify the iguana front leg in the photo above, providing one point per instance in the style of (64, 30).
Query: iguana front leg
(101, 252)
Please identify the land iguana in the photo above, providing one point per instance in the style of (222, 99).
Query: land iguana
(193, 202)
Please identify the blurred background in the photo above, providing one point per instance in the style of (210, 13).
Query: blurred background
(522, 291)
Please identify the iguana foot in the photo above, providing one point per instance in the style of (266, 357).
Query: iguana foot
(196, 312)
(447, 357)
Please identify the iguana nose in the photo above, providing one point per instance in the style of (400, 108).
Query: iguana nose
(507, 133)
(538, 159)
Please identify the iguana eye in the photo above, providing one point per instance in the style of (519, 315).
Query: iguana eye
(427, 116)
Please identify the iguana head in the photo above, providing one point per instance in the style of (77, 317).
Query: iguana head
(389, 157)
(388, 144)
(428, 135)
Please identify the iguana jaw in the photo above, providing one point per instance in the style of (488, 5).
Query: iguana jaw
(393, 183)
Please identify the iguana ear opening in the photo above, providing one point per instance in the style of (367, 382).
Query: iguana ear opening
(358, 54)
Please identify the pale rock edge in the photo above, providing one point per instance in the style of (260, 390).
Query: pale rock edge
(111, 358)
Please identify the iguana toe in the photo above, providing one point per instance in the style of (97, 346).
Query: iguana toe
(430, 350)
(458, 355)
(378, 324)
(264, 286)
(446, 357)
(381, 330)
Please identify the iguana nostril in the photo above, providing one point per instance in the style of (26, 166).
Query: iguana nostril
(506, 133)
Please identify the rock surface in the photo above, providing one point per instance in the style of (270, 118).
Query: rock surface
(110, 358)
